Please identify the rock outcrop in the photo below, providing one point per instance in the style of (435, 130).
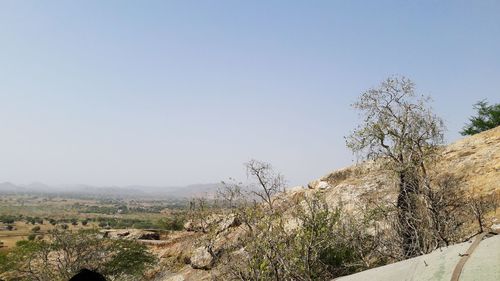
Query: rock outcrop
(220, 221)
(202, 258)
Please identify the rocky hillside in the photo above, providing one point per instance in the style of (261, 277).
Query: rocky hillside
(474, 160)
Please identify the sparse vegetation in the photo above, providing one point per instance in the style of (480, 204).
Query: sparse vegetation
(479, 206)
(285, 240)
(307, 238)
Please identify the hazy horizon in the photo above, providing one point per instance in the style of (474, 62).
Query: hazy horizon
(157, 93)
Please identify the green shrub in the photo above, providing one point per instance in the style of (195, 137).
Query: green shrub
(488, 117)
(116, 259)
(7, 219)
(313, 250)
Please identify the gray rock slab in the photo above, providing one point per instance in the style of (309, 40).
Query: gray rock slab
(484, 265)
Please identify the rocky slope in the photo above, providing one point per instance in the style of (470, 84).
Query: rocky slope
(474, 160)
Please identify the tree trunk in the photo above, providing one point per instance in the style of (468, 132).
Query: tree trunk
(406, 204)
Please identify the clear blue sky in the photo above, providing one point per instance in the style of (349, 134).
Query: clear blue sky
(180, 92)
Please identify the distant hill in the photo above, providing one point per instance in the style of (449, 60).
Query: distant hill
(10, 187)
(136, 191)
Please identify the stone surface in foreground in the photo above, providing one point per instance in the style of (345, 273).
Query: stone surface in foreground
(483, 264)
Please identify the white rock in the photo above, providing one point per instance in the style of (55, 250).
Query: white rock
(323, 185)
(201, 259)
(228, 221)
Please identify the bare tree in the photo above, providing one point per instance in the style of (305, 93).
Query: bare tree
(447, 206)
(269, 183)
(235, 196)
(231, 193)
(200, 215)
(479, 206)
(398, 125)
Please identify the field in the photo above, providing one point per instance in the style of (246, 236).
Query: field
(30, 216)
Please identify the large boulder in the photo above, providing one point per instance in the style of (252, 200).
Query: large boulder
(201, 224)
(221, 223)
(228, 221)
(202, 259)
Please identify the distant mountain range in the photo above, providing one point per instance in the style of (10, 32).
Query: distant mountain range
(135, 191)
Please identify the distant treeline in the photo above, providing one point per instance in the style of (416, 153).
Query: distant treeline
(120, 209)
(174, 221)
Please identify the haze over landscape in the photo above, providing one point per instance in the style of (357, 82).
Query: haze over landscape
(124, 93)
(228, 140)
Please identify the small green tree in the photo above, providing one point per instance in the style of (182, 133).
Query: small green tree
(488, 117)
(65, 253)
(318, 248)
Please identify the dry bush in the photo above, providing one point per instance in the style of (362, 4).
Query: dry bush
(447, 205)
(307, 243)
(480, 206)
